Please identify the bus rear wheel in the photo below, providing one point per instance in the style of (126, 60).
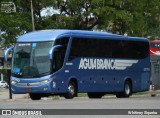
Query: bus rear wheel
(35, 96)
(95, 95)
(126, 92)
(72, 91)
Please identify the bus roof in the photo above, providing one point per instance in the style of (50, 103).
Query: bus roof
(51, 35)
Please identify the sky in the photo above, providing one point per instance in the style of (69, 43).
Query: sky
(49, 11)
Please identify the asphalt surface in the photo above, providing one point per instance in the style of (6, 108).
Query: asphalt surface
(146, 102)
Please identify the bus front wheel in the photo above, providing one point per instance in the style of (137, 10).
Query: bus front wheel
(126, 92)
(35, 96)
(71, 93)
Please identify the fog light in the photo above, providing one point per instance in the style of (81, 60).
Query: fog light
(54, 84)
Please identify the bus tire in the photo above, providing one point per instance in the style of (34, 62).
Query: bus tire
(95, 95)
(126, 92)
(35, 96)
(72, 91)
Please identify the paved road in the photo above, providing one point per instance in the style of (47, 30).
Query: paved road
(85, 103)
(107, 102)
(135, 102)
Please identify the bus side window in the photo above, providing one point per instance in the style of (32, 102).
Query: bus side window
(62, 41)
(90, 47)
(74, 51)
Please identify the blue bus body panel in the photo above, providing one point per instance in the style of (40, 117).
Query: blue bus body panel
(110, 80)
(89, 80)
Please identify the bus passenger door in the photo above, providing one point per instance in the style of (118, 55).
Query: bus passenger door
(58, 58)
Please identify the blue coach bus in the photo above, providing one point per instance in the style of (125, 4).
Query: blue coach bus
(66, 62)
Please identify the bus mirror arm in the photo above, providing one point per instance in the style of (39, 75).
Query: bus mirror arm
(52, 50)
(6, 53)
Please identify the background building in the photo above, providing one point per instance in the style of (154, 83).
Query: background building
(155, 62)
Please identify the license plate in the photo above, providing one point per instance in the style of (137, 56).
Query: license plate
(28, 89)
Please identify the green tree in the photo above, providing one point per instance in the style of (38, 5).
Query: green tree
(134, 17)
(17, 23)
(153, 18)
(86, 14)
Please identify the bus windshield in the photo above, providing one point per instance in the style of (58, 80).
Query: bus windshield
(31, 59)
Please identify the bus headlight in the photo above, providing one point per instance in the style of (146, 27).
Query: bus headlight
(13, 82)
(45, 81)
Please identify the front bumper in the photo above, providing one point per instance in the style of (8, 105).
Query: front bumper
(32, 85)
(45, 88)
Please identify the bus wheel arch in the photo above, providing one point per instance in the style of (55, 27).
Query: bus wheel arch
(127, 89)
(72, 89)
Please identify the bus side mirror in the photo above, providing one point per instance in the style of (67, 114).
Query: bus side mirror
(6, 53)
(52, 50)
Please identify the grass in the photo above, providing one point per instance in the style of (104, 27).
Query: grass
(82, 94)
